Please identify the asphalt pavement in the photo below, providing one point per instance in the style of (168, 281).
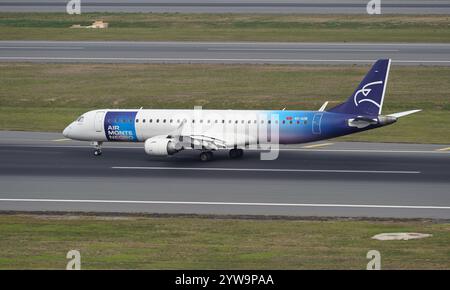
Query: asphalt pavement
(46, 172)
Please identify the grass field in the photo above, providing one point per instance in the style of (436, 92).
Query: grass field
(46, 97)
(203, 243)
(227, 27)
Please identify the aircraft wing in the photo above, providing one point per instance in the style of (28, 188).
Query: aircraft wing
(190, 139)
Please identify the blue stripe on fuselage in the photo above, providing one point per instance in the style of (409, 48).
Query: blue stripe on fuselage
(120, 126)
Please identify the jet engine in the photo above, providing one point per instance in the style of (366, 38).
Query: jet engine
(161, 146)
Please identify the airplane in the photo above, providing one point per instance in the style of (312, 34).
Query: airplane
(167, 132)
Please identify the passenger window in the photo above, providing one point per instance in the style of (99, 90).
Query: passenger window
(137, 120)
(143, 120)
(157, 120)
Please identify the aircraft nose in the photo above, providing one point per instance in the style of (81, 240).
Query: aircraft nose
(66, 132)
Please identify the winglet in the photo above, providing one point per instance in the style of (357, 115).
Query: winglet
(402, 114)
(323, 106)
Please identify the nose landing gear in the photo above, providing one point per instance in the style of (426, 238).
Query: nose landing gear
(98, 148)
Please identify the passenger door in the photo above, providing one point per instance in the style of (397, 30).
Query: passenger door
(98, 123)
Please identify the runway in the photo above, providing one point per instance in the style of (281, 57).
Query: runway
(46, 172)
(223, 52)
(233, 6)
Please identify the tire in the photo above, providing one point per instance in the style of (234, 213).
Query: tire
(204, 156)
(236, 153)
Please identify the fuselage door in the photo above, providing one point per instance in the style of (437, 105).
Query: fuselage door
(98, 123)
(317, 119)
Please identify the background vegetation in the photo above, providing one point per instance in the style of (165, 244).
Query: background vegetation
(47, 97)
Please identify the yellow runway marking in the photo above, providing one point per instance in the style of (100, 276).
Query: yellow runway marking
(318, 145)
(60, 140)
(443, 149)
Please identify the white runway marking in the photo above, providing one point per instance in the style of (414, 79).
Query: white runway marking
(267, 60)
(41, 47)
(304, 49)
(264, 169)
(225, 203)
(441, 152)
(197, 43)
(317, 145)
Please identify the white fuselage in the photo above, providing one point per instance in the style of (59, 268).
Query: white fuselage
(234, 127)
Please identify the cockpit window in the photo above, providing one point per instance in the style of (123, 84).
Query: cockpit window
(80, 119)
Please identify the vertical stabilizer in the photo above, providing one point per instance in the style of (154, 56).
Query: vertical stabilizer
(368, 97)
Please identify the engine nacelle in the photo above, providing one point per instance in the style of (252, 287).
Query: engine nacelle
(160, 146)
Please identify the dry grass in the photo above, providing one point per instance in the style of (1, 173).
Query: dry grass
(49, 96)
(227, 27)
(191, 243)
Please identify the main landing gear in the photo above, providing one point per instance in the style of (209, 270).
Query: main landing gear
(97, 148)
(236, 153)
(206, 156)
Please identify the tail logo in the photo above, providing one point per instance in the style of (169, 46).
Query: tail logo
(365, 91)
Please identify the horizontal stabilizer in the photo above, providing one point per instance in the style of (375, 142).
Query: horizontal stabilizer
(402, 114)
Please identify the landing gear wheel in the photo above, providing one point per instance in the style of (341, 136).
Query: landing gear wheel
(236, 153)
(98, 148)
(206, 156)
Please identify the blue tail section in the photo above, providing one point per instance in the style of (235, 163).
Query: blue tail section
(368, 97)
